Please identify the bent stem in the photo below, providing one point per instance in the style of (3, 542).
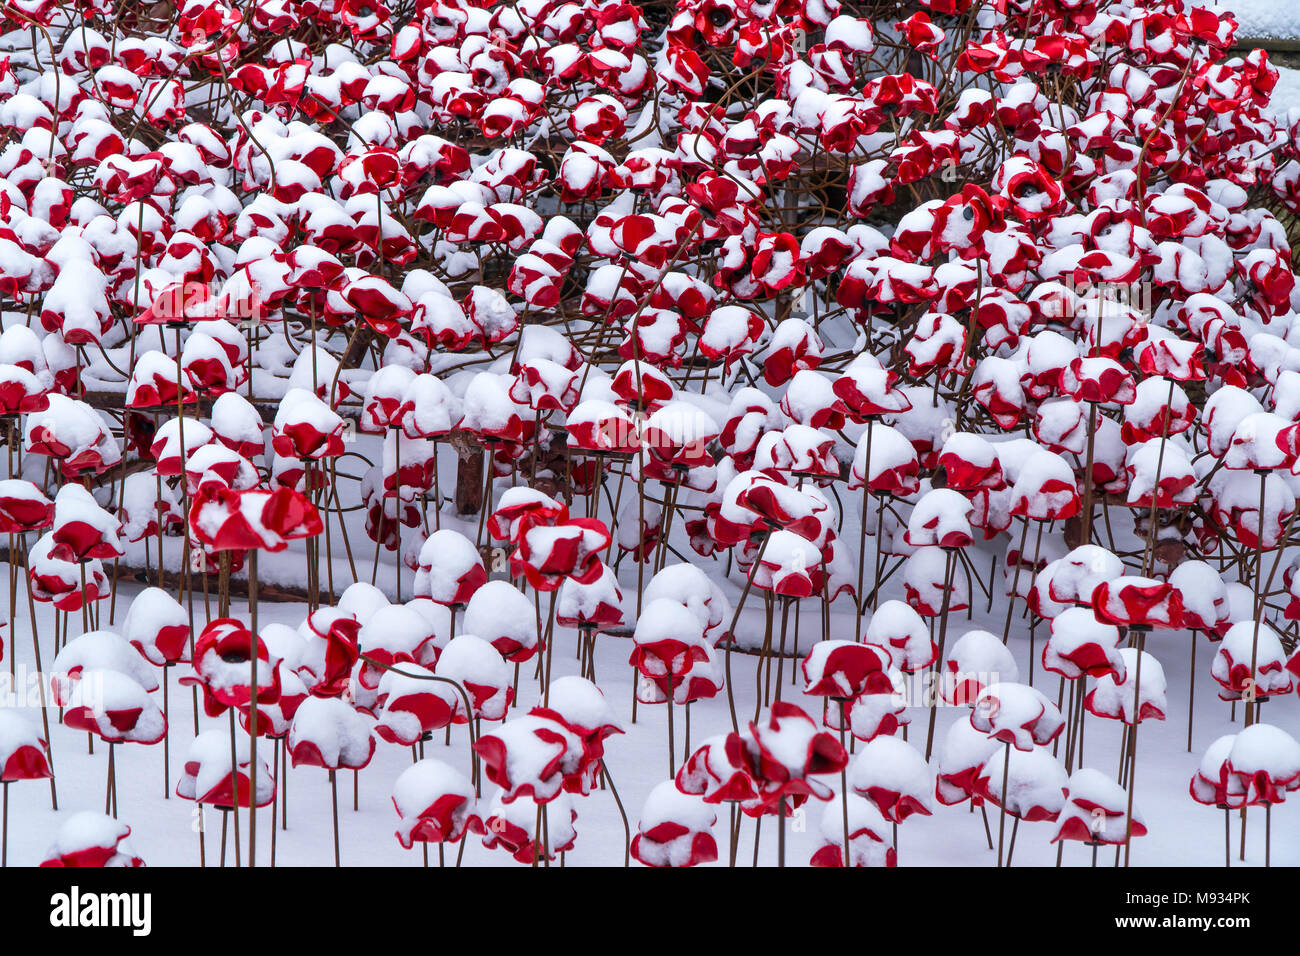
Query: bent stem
(475, 775)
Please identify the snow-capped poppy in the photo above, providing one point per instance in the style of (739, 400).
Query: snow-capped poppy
(223, 655)
(581, 707)
(306, 428)
(412, 704)
(886, 462)
(970, 463)
(223, 519)
(478, 667)
(207, 776)
(1115, 695)
(435, 804)
(331, 651)
(1250, 662)
(846, 669)
(21, 391)
(674, 829)
(1210, 782)
(669, 641)
(451, 568)
(1016, 714)
(23, 507)
(1044, 488)
(597, 605)
(547, 554)
(391, 635)
(892, 774)
(794, 346)
(23, 752)
(928, 585)
(1096, 811)
(1081, 645)
(1133, 601)
(775, 504)
(530, 756)
(868, 834)
(71, 432)
(158, 626)
(112, 706)
(1262, 765)
(718, 771)
(786, 753)
(1036, 783)
(513, 827)
(940, 518)
(676, 436)
(327, 732)
(602, 427)
(1204, 596)
(60, 581)
(962, 756)
(90, 839)
(976, 660)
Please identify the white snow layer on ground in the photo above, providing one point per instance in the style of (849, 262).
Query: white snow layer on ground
(1263, 18)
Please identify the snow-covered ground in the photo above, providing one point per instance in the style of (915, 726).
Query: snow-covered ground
(1263, 18)
(1286, 95)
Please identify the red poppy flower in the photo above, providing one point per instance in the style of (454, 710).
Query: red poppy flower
(1263, 765)
(894, 776)
(674, 829)
(1251, 662)
(306, 428)
(412, 704)
(547, 554)
(23, 508)
(110, 705)
(530, 756)
(1096, 811)
(23, 752)
(207, 776)
(222, 658)
(223, 519)
(846, 670)
(89, 839)
(158, 626)
(1132, 601)
(1016, 714)
(785, 753)
(435, 804)
(327, 732)
(718, 771)
(513, 827)
(332, 649)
